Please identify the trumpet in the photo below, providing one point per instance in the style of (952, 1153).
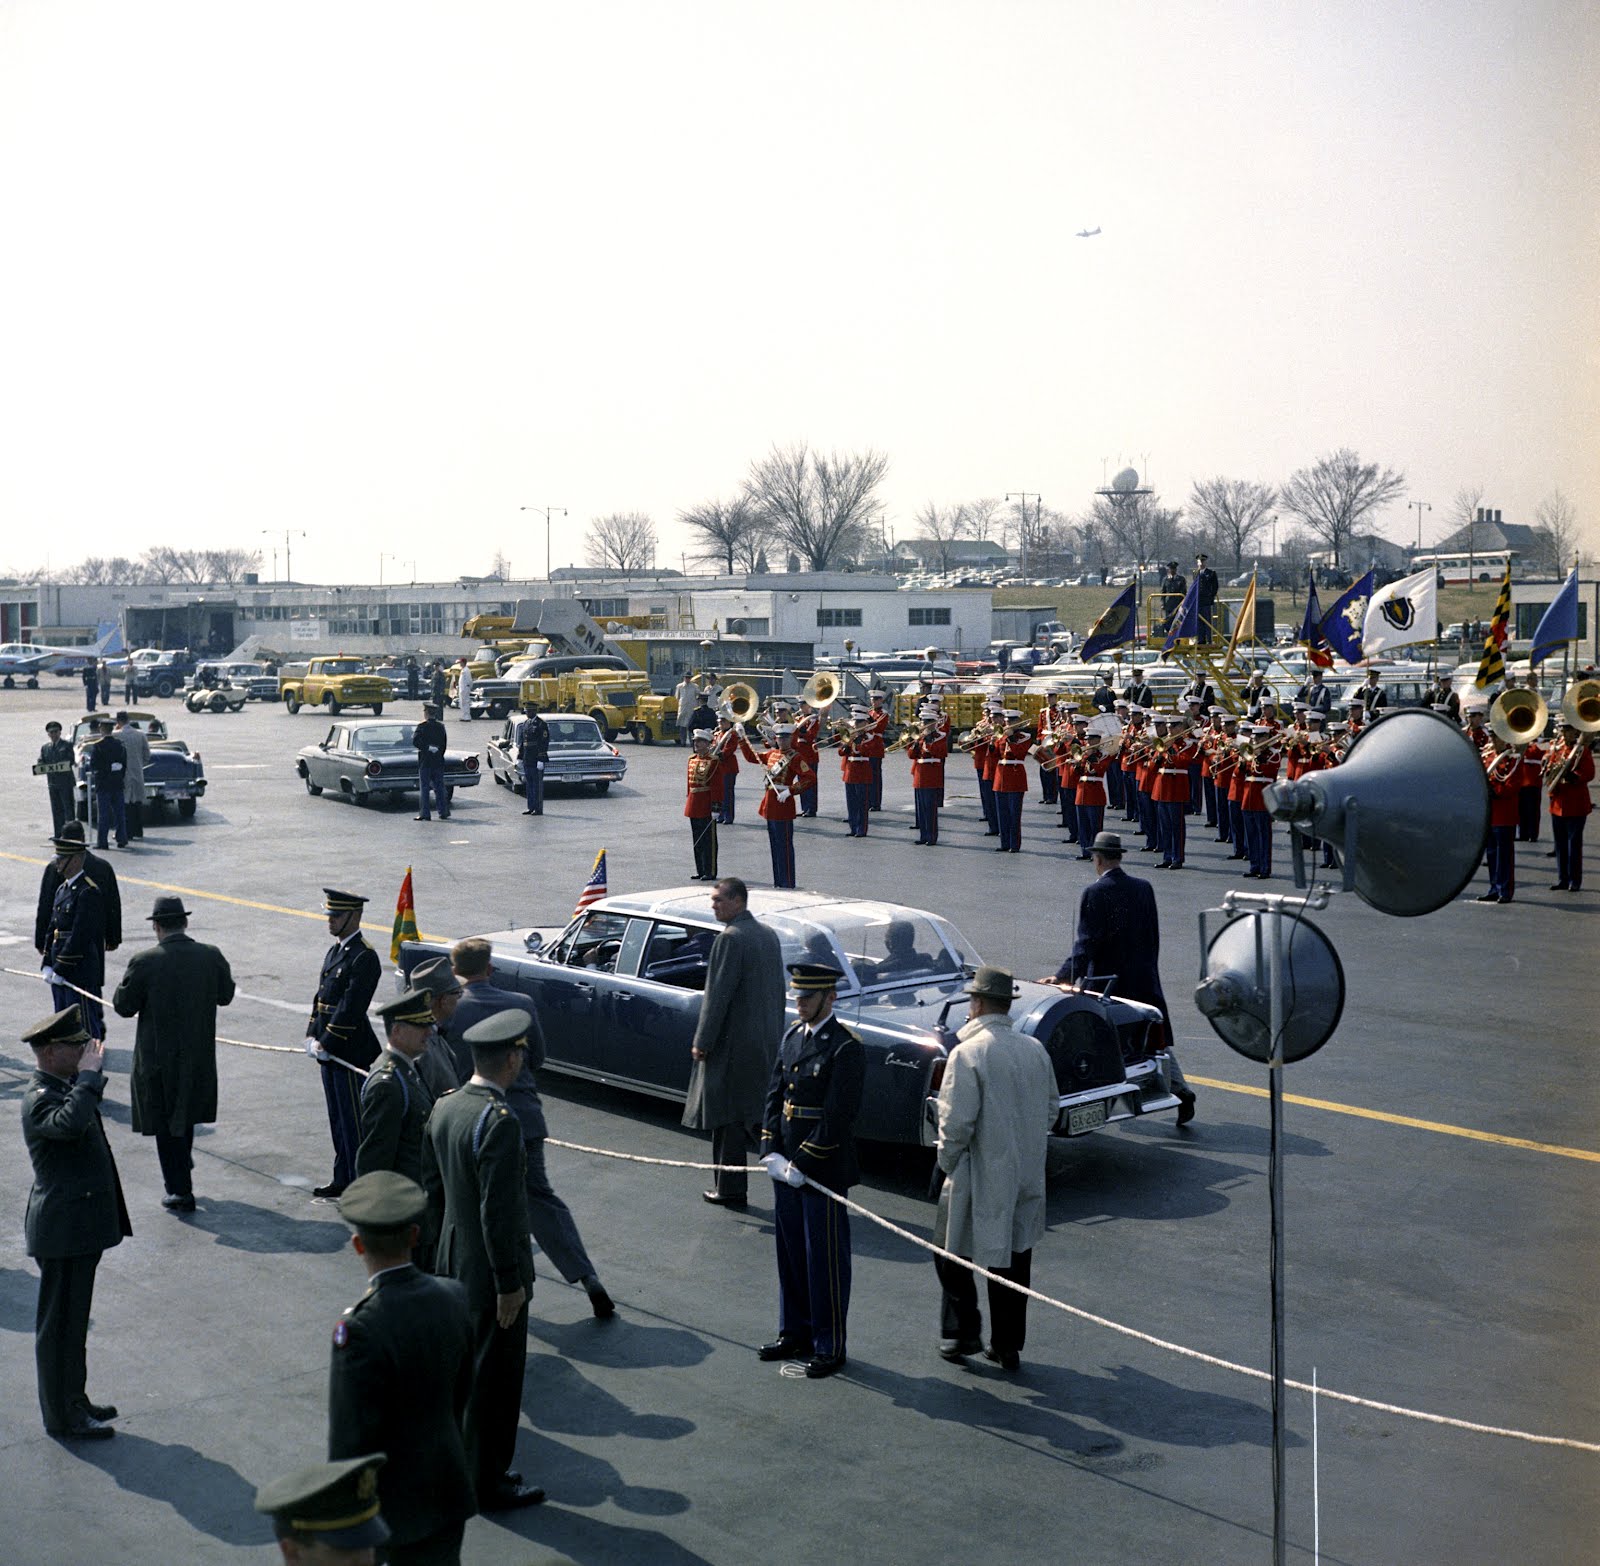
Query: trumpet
(1562, 763)
(978, 734)
(843, 733)
(1505, 765)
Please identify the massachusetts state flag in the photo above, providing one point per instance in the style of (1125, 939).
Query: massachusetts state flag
(405, 919)
(1114, 627)
(595, 887)
(1403, 612)
(1559, 624)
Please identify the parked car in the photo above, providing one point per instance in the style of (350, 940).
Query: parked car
(174, 774)
(617, 993)
(374, 758)
(579, 754)
(499, 694)
(166, 675)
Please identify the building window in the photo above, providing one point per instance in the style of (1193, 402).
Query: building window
(930, 617)
(838, 617)
(1529, 615)
(604, 608)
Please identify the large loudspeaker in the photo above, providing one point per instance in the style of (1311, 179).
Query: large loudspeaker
(1235, 995)
(1413, 789)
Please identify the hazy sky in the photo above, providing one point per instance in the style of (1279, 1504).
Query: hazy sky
(386, 272)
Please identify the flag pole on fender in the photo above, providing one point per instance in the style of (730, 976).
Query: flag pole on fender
(405, 918)
(595, 887)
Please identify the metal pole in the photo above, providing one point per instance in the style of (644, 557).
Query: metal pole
(1274, 914)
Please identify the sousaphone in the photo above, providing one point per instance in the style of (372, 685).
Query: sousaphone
(740, 702)
(822, 690)
(1519, 716)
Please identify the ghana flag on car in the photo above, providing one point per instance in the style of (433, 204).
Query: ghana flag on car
(1492, 666)
(405, 919)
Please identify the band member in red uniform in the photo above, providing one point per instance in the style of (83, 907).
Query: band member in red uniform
(1133, 738)
(983, 765)
(1568, 772)
(1193, 709)
(928, 752)
(1148, 764)
(1530, 801)
(856, 753)
(878, 718)
(705, 787)
(1208, 783)
(1257, 768)
(807, 733)
(1319, 751)
(727, 748)
(1503, 766)
(1066, 747)
(1089, 790)
(1050, 733)
(1224, 763)
(1170, 795)
(785, 775)
(1010, 752)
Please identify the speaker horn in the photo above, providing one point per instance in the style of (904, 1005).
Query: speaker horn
(1409, 806)
(1234, 996)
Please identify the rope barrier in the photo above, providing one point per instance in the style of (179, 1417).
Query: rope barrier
(1183, 1351)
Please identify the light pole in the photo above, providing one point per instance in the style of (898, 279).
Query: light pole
(381, 558)
(1022, 497)
(548, 512)
(288, 533)
(1419, 506)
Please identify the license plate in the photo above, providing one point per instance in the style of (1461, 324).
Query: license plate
(1087, 1117)
(176, 793)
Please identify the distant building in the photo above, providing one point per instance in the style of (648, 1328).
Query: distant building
(1479, 551)
(981, 554)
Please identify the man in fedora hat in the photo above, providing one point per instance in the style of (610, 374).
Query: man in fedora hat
(1119, 935)
(174, 989)
(997, 1104)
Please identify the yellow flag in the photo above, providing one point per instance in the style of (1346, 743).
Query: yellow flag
(1244, 624)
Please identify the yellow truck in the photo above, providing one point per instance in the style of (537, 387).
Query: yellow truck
(334, 683)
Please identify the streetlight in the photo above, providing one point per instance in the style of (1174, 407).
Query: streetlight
(548, 511)
(1023, 496)
(381, 558)
(1419, 506)
(288, 533)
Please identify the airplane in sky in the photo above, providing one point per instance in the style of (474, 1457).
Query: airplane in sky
(1087, 233)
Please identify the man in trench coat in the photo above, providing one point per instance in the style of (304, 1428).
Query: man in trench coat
(174, 989)
(736, 1040)
(997, 1104)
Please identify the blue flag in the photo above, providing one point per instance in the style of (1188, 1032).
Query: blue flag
(1114, 627)
(1342, 625)
(1186, 622)
(1559, 623)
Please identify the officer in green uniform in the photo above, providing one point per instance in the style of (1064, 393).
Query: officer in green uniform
(75, 1212)
(395, 1101)
(473, 1168)
(327, 1514)
(338, 1034)
(400, 1376)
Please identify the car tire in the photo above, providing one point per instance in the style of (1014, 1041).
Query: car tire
(645, 734)
(165, 688)
(377, 709)
(186, 808)
(598, 714)
(313, 789)
(603, 788)
(292, 702)
(331, 702)
(219, 703)
(499, 709)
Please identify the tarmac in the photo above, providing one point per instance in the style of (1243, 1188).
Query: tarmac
(1442, 1172)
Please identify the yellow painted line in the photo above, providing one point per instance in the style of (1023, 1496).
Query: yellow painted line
(1408, 1121)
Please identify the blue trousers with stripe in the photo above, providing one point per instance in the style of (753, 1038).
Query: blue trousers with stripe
(813, 1234)
(855, 807)
(1258, 840)
(1091, 821)
(1008, 812)
(1236, 828)
(986, 799)
(342, 1090)
(780, 839)
(926, 803)
(1172, 830)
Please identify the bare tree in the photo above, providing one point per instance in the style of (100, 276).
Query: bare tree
(228, 567)
(1097, 544)
(1294, 558)
(979, 518)
(1464, 508)
(941, 528)
(1053, 546)
(623, 541)
(821, 507)
(161, 564)
(729, 532)
(1335, 493)
(500, 566)
(1229, 513)
(1141, 527)
(1555, 520)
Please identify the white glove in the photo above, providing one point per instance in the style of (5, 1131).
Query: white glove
(780, 794)
(314, 1049)
(48, 974)
(793, 1175)
(776, 1165)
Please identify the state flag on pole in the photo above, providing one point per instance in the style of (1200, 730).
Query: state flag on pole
(1344, 624)
(1244, 623)
(1114, 627)
(595, 887)
(1403, 612)
(1311, 627)
(1186, 623)
(405, 919)
(1492, 666)
(1559, 623)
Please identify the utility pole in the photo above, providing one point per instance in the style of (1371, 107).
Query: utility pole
(1022, 497)
(547, 512)
(288, 533)
(1419, 506)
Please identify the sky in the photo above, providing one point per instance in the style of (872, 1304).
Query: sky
(380, 275)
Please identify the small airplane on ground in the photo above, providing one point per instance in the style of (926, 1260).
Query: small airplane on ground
(1087, 233)
(28, 660)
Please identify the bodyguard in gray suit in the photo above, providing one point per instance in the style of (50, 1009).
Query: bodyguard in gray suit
(736, 1040)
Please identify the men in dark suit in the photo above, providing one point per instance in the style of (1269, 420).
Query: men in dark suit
(736, 1038)
(75, 1212)
(98, 870)
(549, 1217)
(1137, 693)
(1169, 595)
(1374, 698)
(808, 1132)
(1198, 690)
(107, 763)
(429, 738)
(395, 1101)
(338, 1034)
(1119, 934)
(1316, 694)
(174, 989)
(533, 751)
(400, 1375)
(473, 1168)
(55, 762)
(1207, 596)
(73, 956)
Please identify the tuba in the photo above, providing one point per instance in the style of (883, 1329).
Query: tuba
(1518, 717)
(822, 690)
(740, 702)
(1580, 709)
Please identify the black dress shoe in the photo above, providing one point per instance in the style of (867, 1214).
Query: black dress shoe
(87, 1429)
(1560, 886)
(1006, 1359)
(717, 1199)
(424, 818)
(957, 1349)
(784, 1348)
(821, 1365)
(178, 1204)
(600, 1302)
(1185, 1108)
(1488, 897)
(508, 1495)
(100, 1411)
(329, 1192)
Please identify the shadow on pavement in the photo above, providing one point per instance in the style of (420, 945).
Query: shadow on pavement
(619, 1344)
(560, 1401)
(1236, 1136)
(241, 1226)
(1094, 1184)
(585, 1539)
(210, 1496)
(575, 1478)
(19, 1292)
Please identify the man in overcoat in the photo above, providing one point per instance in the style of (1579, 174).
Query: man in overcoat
(97, 869)
(73, 955)
(997, 1103)
(75, 1213)
(174, 989)
(133, 789)
(736, 1038)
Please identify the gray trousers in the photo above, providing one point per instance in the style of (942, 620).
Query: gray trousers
(550, 1220)
(730, 1145)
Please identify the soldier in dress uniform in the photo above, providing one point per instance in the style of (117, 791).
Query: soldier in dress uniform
(395, 1101)
(55, 763)
(473, 1170)
(703, 780)
(1011, 748)
(430, 738)
(878, 729)
(1257, 769)
(1114, 794)
(808, 1133)
(436, 1065)
(74, 950)
(983, 766)
(727, 745)
(400, 1375)
(856, 754)
(1503, 767)
(1530, 800)
(98, 870)
(1568, 772)
(75, 1213)
(928, 752)
(327, 1514)
(1170, 798)
(784, 775)
(338, 1030)
(1224, 759)
(1207, 744)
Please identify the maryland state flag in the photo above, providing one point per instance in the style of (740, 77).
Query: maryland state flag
(405, 919)
(1492, 666)
(595, 887)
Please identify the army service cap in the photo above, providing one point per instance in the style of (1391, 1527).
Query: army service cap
(65, 1027)
(412, 1006)
(334, 1503)
(806, 977)
(504, 1030)
(383, 1200)
(436, 977)
(342, 902)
